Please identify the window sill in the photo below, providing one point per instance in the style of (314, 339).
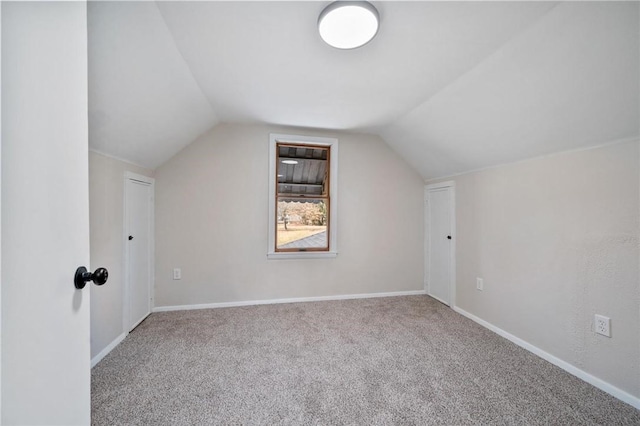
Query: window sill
(303, 255)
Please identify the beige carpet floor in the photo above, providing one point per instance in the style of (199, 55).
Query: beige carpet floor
(397, 360)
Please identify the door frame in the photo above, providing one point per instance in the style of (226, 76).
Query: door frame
(1, 213)
(451, 185)
(126, 314)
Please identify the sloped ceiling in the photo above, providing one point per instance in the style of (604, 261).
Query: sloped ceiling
(568, 81)
(451, 86)
(144, 104)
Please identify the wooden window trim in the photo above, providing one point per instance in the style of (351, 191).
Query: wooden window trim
(326, 197)
(329, 196)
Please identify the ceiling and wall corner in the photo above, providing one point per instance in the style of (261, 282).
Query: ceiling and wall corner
(450, 86)
(568, 81)
(144, 105)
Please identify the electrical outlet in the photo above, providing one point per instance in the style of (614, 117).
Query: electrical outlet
(603, 325)
(177, 274)
(480, 284)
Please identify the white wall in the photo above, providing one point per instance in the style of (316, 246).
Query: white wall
(45, 214)
(556, 241)
(106, 202)
(212, 221)
(0, 211)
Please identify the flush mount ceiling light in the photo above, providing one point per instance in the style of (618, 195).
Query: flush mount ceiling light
(348, 24)
(289, 161)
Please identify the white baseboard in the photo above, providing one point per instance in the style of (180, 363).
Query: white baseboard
(599, 383)
(96, 359)
(290, 300)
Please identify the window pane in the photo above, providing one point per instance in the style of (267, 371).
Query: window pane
(302, 225)
(301, 207)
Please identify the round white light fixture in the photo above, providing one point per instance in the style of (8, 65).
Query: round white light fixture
(289, 161)
(348, 24)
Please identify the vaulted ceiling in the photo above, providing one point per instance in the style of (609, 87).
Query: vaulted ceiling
(451, 86)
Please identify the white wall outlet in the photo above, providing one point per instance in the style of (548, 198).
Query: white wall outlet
(480, 284)
(177, 273)
(603, 325)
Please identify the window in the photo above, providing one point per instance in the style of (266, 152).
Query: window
(302, 196)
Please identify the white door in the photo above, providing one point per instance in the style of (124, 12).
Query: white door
(139, 230)
(440, 250)
(45, 214)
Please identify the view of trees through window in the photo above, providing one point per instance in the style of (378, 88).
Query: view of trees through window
(302, 197)
(300, 219)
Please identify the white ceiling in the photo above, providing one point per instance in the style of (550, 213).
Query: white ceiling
(568, 81)
(452, 86)
(144, 104)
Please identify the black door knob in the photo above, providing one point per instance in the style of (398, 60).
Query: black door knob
(98, 277)
(448, 237)
(130, 237)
